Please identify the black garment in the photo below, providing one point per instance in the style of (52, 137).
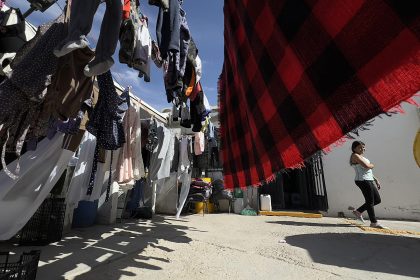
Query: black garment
(372, 197)
(13, 36)
(127, 41)
(192, 52)
(197, 111)
(164, 4)
(106, 121)
(175, 161)
(185, 116)
(152, 138)
(214, 157)
(168, 28)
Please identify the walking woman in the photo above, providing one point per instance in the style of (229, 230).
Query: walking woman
(368, 184)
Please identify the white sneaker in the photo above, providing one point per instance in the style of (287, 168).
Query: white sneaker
(71, 46)
(357, 214)
(378, 225)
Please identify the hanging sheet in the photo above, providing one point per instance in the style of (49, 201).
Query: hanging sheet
(298, 75)
(39, 172)
(80, 181)
(167, 195)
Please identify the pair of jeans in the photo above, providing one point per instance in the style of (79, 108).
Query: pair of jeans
(372, 198)
(81, 19)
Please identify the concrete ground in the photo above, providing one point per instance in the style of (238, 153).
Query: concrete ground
(223, 246)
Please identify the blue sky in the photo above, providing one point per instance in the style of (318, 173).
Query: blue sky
(205, 20)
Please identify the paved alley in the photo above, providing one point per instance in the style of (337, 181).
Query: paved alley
(222, 246)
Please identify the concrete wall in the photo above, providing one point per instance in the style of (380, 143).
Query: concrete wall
(389, 145)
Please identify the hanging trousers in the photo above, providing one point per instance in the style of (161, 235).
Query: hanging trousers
(81, 19)
(372, 198)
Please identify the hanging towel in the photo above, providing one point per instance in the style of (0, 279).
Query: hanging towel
(299, 75)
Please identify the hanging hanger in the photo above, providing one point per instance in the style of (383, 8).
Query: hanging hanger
(128, 88)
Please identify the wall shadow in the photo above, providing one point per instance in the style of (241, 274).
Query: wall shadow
(398, 255)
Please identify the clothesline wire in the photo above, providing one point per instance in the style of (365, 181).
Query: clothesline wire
(59, 6)
(132, 97)
(120, 78)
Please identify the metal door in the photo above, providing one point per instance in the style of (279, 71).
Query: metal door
(317, 192)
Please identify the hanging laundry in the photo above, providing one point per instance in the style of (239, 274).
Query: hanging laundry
(156, 56)
(130, 162)
(143, 53)
(173, 37)
(40, 171)
(175, 112)
(162, 155)
(319, 71)
(139, 170)
(207, 106)
(168, 29)
(195, 91)
(12, 30)
(81, 18)
(70, 88)
(192, 52)
(185, 116)
(127, 40)
(106, 121)
(184, 160)
(198, 69)
(197, 111)
(167, 195)
(126, 9)
(152, 137)
(164, 4)
(189, 81)
(22, 94)
(176, 157)
(199, 143)
(128, 32)
(136, 43)
(80, 181)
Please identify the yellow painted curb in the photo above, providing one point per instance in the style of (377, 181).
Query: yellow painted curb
(290, 214)
(380, 230)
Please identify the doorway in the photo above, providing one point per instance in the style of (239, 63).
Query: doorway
(299, 189)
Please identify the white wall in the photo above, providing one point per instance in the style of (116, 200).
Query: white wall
(389, 145)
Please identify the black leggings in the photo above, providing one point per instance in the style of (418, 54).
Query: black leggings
(372, 198)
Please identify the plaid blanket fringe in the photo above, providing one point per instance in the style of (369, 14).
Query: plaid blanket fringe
(298, 76)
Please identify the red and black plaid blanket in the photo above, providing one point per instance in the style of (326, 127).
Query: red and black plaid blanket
(298, 75)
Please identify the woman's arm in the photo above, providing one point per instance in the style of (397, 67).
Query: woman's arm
(358, 159)
(378, 185)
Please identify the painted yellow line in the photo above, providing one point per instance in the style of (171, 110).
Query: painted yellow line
(290, 214)
(380, 230)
